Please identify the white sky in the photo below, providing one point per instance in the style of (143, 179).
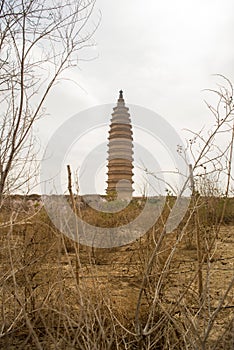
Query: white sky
(161, 53)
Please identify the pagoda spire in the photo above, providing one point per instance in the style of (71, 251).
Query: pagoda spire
(120, 101)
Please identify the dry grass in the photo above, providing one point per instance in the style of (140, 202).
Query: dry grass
(56, 295)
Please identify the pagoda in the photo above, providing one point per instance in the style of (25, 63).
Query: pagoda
(120, 152)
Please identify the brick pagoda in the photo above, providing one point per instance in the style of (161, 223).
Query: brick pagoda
(120, 150)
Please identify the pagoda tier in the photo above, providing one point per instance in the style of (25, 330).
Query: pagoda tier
(120, 151)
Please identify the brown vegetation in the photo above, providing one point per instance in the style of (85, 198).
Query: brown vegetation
(118, 298)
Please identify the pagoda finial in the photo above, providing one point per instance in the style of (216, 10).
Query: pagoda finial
(121, 94)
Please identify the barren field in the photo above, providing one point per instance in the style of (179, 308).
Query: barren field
(58, 295)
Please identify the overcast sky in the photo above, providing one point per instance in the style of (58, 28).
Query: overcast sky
(161, 53)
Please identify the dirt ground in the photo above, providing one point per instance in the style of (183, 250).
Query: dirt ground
(117, 275)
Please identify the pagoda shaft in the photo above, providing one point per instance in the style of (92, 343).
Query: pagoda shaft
(120, 151)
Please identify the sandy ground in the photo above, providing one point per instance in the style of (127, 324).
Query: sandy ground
(118, 275)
